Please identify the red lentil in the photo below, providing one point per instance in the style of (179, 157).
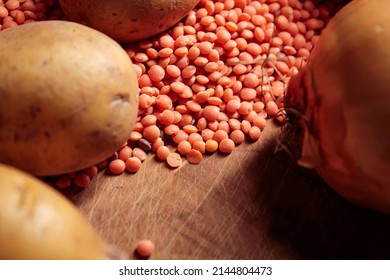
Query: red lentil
(226, 146)
(223, 125)
(101, 165)
(186, 119)
(91, 171)
(151, 133)
(211, 113)
(245, 126)
(200, 146)
(117, 166)
(193, 106)
(234, 124)
(194, 137)
(245, 108)
(254, 133)
(163, 152)
(219, 135)
(12, 4)
(272, 108)
(133, 164)
(139, 153)
(237, 136)
(194, 156)
(248, 94)
(81, 180)
(135, 136)
(157, 144)
(166, 117)
(184, 147)
(145, 101)
(189, 128)
(125, 153)
(211, 146)
(213, 125)
(207, 134)
(179, 136)
(174, 160)
(156, 73)
(171, 129)
(145, 248)
(149, 120)
(259, 121)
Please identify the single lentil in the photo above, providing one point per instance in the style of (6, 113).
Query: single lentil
(163, 152)
(63, 182)
(133, 164)
(194, 156)
(145, 248)
(117, 166)
(226, 146)
(81, 180)
(237, 136)
(91, 171)
(139, 153)
(174, 160)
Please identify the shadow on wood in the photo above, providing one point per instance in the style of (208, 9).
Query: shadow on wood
(251, 204)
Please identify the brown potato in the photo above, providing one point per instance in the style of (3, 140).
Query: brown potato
(128, 21)
(37, 222)
(68, 97)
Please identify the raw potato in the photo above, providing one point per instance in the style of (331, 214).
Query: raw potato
(128, 20)
(69, 97)
(37, 222)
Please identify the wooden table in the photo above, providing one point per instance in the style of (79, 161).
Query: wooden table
(251, 204)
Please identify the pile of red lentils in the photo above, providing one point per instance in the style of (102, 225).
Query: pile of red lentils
(17, 12)
(207, 84)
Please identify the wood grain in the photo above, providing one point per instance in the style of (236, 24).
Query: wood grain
(251, 204)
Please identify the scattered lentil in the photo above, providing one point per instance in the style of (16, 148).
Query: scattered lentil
(237, 136)
(145, 248)
(174, 160)
(184, 147)
(157, 144)
(194, 156)
(81, 180)
(139, 153)
(133, 164)
(163, 152)
(63, 182)
(117, 166)
(91, 171)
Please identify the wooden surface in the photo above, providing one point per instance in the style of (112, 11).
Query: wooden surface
(252, 204)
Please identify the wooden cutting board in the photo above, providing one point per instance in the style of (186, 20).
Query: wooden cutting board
(251, 204)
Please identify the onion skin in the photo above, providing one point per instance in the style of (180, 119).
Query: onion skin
(341, 95)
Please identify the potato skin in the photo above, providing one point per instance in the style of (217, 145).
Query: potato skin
(37, 222)
(128, 20)
(69, 97)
